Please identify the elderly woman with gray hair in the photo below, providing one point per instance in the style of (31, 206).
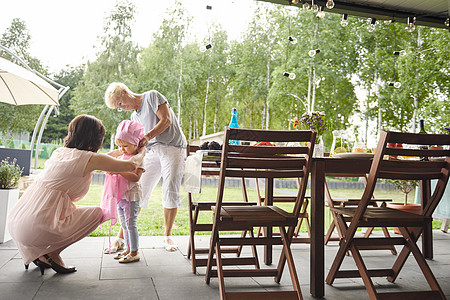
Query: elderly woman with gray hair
(165, 145)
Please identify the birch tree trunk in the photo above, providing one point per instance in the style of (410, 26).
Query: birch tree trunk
(313, 100)
(204, 106)
(308, 101)
(267, 96)
(216, 111)
(112, 142)
(179, 94)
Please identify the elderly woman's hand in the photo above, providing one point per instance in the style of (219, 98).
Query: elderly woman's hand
(144, 141)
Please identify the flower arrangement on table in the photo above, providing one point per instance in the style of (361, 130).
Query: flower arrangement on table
(314, 120)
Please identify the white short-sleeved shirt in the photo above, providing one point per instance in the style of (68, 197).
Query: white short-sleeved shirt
(146, 115)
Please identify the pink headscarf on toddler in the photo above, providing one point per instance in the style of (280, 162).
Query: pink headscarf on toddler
(116, 185)
(130, 131)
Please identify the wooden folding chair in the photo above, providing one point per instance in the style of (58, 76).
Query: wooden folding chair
(303, 216)
(434, 167)
(209, 168)
(346, 202)
(258, 162)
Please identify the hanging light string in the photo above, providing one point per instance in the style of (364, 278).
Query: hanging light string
(208, 8)
(395, 49)
(316, 34)
(288, 42)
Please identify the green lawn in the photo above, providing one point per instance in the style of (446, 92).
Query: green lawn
(151, 222)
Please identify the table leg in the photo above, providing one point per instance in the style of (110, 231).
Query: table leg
(317, 267)
(427, 235)
(268, 200)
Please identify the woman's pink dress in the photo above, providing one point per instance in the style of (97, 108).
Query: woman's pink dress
(45, 218)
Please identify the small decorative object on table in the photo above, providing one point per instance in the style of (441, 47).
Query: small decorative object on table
(314, 120)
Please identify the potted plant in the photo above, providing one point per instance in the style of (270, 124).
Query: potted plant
(406, 187)
(10, 174)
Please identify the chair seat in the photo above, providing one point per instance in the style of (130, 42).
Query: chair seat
(257, 215)
(384, 216)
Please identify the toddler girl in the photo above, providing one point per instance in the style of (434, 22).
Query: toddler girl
(124, 190)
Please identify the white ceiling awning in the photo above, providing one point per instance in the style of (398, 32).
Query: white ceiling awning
(431, 13)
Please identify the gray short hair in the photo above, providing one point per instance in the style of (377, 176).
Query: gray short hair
(112, 93)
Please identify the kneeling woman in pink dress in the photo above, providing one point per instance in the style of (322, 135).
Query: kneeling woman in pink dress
(45, 221)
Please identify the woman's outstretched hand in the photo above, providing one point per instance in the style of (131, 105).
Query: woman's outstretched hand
(139, 157)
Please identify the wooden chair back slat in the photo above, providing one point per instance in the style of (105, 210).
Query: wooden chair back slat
(269, 150)
(255, 135)
(263, 173)
(278, 163)
(418, 139)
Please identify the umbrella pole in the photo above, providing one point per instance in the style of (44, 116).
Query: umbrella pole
(36, 128)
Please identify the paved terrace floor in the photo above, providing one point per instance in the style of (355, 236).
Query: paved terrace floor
(162, 275)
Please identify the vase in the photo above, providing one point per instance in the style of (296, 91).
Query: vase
(319, 148)
(8, 198)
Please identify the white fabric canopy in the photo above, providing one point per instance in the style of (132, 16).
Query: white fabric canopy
(19, 86)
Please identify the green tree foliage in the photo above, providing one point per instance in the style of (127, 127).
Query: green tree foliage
(56, 128)
(247, 73)
(117, 61)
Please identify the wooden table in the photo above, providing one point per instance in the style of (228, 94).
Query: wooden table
(335, 166)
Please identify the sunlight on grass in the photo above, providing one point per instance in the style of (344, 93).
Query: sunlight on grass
(151, 221)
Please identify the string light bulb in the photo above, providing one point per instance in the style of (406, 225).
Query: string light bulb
(292, 39)
(395, 84)
(306, 5)
(313, 52)
(411, 27)
(371, 26)
(330, 4)
(344, 21)
(314, 7)
(400, 53)
(320, 13)
(291, 76)
(294, 1)
(447, 22)
(203, 48)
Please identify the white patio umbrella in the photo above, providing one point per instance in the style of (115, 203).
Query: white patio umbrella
(19, 86)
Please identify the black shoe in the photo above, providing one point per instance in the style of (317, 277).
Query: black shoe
(58, 268)
(37, 265)
(42, 266)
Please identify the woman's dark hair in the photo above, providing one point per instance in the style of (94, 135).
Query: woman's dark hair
(85, 132)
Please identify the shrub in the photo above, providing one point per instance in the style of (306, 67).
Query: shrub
(9, 174)
(44, 153)
(11, 144)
